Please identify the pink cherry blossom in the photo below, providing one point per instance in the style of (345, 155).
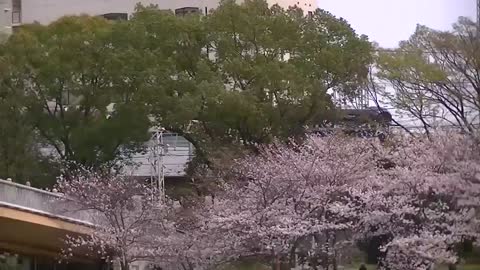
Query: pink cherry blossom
(319, 197)
(130, 223)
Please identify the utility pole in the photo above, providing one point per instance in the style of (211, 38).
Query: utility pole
(157, 172)
(478, 16)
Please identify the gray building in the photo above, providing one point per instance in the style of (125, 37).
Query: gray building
(16, 12)
(8, 16)
(175, 155)
(47, 11)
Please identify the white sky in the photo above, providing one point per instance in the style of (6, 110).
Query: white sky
(390, 21)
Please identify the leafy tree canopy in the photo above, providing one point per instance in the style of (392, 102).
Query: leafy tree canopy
(248, 73)
(76, 89)
(243, 75)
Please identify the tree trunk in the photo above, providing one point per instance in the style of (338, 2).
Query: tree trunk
(334, 251)
(293, 255)
(452, 267)
(124, 266)
(276, 261)
(278, 265)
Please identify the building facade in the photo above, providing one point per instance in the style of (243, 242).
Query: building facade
(5, 17)
(16, 12)
(306, 5)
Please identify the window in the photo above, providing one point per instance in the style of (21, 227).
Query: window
(16, 12)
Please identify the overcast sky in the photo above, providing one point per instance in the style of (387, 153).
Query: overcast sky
(390, 21)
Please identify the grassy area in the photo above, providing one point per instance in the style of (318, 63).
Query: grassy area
(470, 267)
(460, 267)
(357, 266)
(255, 264)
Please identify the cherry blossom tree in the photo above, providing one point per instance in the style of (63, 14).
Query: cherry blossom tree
(195, 245)
(290, 193)
(428, 202)
(315, 199)
(130, 224)
(310, 201)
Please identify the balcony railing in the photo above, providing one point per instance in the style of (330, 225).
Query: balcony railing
(41, 202)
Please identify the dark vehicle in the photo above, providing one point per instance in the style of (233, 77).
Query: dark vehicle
(364, 123)
(115, 16)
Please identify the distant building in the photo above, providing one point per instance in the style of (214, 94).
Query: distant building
(14, 13)
(9, 15)
(177, 152)
(305, 5)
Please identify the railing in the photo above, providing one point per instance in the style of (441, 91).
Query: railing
(40, 202)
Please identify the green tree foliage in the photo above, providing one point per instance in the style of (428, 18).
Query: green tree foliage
(256, 73)
(435, 76)
(20, 157)
(239, 77)
(281, 64)
(77, 89)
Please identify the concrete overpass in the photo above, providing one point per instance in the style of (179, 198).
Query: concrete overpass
(32, 228)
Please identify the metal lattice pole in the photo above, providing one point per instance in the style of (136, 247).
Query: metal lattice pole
(160, 165)
(157, 172)
(478, 15)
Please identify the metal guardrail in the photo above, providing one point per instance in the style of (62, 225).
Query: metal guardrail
(41, 202)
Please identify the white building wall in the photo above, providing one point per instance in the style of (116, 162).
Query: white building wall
(177, 153)
(47, 11)
(305, 5)
(5, 17)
